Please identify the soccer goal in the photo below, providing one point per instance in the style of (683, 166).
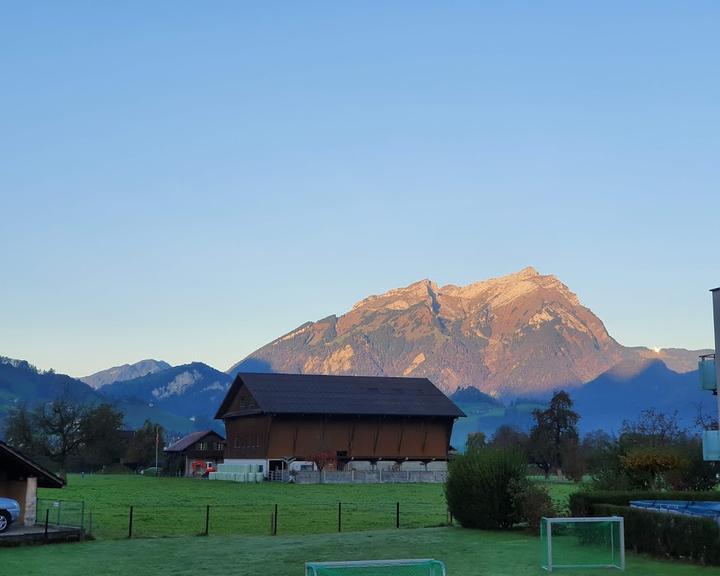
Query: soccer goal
(597, 542)
(416, 567)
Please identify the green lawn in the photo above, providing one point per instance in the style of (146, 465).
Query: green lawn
(177, 506)
(170, 512)
(465, 552)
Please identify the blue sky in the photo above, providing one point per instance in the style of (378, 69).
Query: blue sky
(187, 182)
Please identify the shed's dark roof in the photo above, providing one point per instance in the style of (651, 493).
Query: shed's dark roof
(17, 466)
(187, 441)
(319, 394)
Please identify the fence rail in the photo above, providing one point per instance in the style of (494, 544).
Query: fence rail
(140, 521)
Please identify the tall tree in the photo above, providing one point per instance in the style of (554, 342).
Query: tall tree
(59, 425)
(598, 448)
(509, 437)
(553, 443)
(143, 445)
(475, 441)
(102, 437)
(652, 429)
(20, 430)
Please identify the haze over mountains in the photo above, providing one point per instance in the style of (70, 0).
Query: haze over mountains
(499, 347)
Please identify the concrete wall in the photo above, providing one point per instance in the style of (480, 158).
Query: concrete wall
(390, 465)
(250, 461)
(25, 492)
(370, 477)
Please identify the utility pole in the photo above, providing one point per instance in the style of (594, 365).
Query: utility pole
(716, 318)
(157, 449)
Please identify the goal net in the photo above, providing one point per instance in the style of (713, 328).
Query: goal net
(582, 542)
(419, 567)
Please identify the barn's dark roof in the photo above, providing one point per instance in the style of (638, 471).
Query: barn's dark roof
(17, 466)
(362, 395)
(186, 441)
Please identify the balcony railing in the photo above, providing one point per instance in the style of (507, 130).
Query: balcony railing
(708, 376)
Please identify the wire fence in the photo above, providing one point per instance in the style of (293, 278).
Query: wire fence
(261, 519)
(60, 513)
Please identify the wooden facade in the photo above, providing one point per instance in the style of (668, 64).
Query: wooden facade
(359, 437)
(387, 421)
(205, 446)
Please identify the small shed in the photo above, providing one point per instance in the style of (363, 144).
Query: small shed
(205, 448)
(20, 478)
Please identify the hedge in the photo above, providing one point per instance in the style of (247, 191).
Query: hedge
(584, 503)
(667, 535)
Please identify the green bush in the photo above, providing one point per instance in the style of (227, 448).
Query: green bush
(484, 486)
(585, 503)
(667, 535)
(533, 503)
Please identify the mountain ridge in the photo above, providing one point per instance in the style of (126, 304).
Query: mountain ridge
(507, 336)
(124, 372)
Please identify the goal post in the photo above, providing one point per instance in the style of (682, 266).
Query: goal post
(410, 567)
(593, 542)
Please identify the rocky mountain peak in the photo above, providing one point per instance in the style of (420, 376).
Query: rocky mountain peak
(523, 333)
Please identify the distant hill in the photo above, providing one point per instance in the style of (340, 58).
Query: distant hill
(124, 372)
(190, 391)
(517, 335)
(620, 394)
(23, 384)
(623, 392)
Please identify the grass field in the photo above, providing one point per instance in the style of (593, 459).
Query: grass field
(239, 543)
(465, 552)
(177, 506)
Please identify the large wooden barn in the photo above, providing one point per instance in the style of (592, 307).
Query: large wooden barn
(280, 420)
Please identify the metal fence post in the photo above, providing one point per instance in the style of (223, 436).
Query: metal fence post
(207, 520)
(275, 524)
(339, 516)
(130, 521)
(47, 517)
(397, 514)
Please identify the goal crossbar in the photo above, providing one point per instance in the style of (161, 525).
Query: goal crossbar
(434, 567)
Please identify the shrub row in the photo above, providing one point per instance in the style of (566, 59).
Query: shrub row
(667, 535)
(585, 503)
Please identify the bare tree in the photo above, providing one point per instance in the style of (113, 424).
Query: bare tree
(59, 425)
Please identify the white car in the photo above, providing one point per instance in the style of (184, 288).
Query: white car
(9, 512)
